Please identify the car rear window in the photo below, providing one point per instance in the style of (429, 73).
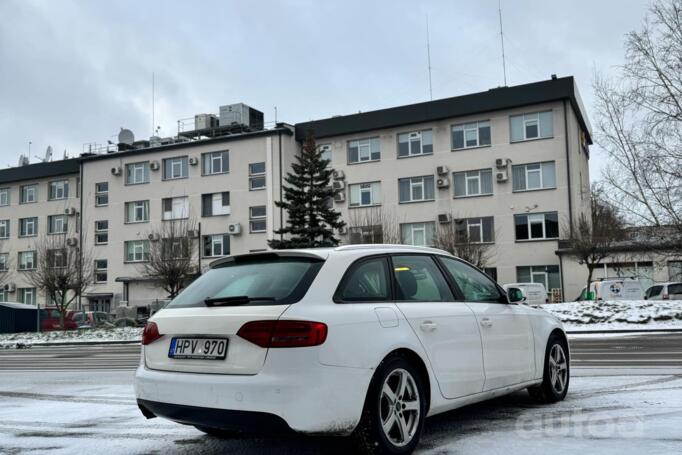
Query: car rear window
(283, 280)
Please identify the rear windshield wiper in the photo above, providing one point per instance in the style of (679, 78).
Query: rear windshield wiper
(235, 300)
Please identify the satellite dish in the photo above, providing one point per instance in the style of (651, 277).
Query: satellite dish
(125, 136)
(23, 160)
(48, 154)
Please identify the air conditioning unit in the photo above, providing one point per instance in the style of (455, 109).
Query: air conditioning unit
(204, 121)
(72, 241)
(241, 115)
(193, 160)
(234, 229)
(444, 218)
(71, 211)
(340, 197)
(501, 163)
(9, 287)
(443, 182)
(343, 230)
(116, 170)
(154, 166)
(153, 237)
(338, 185)
(192, 233)
(338, 175)
(501, 176)
(442, 170)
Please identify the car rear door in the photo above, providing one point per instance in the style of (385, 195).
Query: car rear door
(506, 333)
(446, 328)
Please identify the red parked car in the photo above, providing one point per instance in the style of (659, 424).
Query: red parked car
(49, 320)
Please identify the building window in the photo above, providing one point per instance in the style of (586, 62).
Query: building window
(256, 176)
(29, 194)
(325, 152)
(475, 230)
(137, 212)
(58, 190)
(365, 194)
(137, 173)
(531, 126)
(473, 183)
(4, 261)
(175, 168)
(491, 272)
(4, 229)
(136, 250)
(216, 245)
(533, 176)
(418, 234)
(175, 208)
(4, 196)
(101, 232)
(537, 226)
(257, 221)
(28, 227)
(215, 163)
(215, 204)
(415, 143)
(57, 224)
(27, 296)
(361, 150)
(366, 234)
(415, 189)
(101, 194)
(468, 135)
(57, 258)
(27, 260)
(101, 270)
(547, 275)
(675, 270)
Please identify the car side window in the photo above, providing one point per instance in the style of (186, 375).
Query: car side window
(474, 285)
(654, 291)
(418, 278)
(674, 289)
(367, 281)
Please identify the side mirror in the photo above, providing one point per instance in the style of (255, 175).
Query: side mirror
(515, 295)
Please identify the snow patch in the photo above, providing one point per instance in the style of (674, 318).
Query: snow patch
(26, 339)
(618, 314)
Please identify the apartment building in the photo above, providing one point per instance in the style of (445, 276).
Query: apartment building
(35, 200)
(509, 166)
(224, 186)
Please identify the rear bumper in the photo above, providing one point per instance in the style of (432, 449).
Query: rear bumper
(247, 421)
(316, 399)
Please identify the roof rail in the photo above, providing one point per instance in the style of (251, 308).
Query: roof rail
(386, 246)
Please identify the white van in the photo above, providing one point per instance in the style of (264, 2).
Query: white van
(534, 293)
(613, 289)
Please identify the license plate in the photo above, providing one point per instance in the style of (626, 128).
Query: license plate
(198, 348)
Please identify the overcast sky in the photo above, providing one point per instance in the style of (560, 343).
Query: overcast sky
(73, 72)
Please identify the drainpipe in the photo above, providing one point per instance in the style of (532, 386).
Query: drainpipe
(568, 171)
(561, 277)
(80, 230)
(281, 191)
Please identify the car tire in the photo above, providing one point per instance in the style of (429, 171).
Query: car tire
(556, 375)
(402, 414)
(219, 433)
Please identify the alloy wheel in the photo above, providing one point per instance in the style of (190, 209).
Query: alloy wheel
(399, 407)
(558, 369)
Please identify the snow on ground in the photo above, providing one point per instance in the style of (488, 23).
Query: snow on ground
(59, 413)
(9, 340)
(605, 315)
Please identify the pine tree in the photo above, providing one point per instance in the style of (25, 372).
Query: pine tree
(310, 222)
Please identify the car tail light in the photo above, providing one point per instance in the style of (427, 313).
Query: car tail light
(150, 333)
(665, 296)
(284, 334)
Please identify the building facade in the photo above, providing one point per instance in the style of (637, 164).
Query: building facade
(509, 167)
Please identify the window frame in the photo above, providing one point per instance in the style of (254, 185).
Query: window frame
(145, 207)
(98, 270)
(33, 260)
(99, 193)
(423, 228)
(145, 172)
(4, 267)
(172, 199)
(437, 265)
(257, 177)
(7, 226)
(524, 123)
(145, 256)
(421, 152)
(258, 219)
(464, 134)
(360, 144)
(360, 184)
(224, 156)
(414, 182)
(34, 223)
(50, 222)
(209, 197)
(222, 242)
(184, 167)
(540, 171)
(459, 295)
(544, 227)
(466, 183)
(5, 192)
(100, 232)
(31, 186)
(477, 221)
(352, 267)
(53, 188)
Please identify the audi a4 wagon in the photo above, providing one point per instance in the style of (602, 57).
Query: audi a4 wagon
(361, 340)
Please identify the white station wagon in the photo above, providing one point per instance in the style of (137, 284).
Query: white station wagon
(360, 340)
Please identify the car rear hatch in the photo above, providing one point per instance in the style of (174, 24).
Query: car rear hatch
(212, 310)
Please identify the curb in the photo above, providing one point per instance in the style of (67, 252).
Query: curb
(587, 332)
(73, 343)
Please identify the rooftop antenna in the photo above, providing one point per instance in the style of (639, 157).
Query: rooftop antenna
(153, 120)
(504, 63)
(428, 56)
(275, 115)
(48, 155)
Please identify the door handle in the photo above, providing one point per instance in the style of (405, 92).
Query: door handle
(486, 322)
(428, 326)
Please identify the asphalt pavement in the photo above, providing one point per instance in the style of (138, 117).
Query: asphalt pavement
(620, 354)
